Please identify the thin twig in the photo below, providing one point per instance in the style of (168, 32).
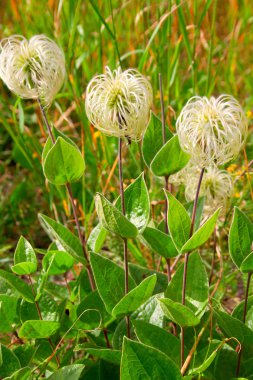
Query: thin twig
(213, 258)
(70, 194)
(41, 318)
(166, 178)
(187, 258)
(122, 197)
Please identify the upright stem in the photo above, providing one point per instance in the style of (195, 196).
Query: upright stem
(213, 258)
(49, 129)
(166, 178)
(187, 258)
(70, 194)
(124, 240)
(40, 316)
(81, 237)
(244, 319)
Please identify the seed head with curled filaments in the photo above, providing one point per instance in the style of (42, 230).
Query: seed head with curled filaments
(212, 130)
(118, 103)
(32, 68)
(216, 185)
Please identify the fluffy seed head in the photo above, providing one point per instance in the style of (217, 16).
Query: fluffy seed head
(118, 103)
(216, 186)
(32, 68)
(212, 130)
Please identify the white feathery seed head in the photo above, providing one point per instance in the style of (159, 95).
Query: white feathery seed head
(212, 130)
(216, 186)
(32, 68)
(118, 103)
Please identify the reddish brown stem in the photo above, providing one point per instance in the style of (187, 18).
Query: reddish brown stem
(166, 178)
(122, 197)
(41, 318)
(187, 258)
(70, 194)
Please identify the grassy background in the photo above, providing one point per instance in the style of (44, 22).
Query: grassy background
(200, 46)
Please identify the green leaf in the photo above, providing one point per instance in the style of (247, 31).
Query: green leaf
(35, 329)
(208, 361)
(225, 363)
(178, 220)
(135, 298)
(150, 312)
(63, 163)
(240, 237)
(142, 362)
(111, 356)
(70, 372)
(199, 211)
(19, 285)
(139, 273)
(57, 133)
(57, 232)
(96, 238)
(92, 312)
(202, 234)
(239, 309)
(160, 242)
(178, 313)
(170, 159)
(232, 327)
(57, 262)
(153, 139)
(25, 259)
(110, 279)
(8, 313)
(48, 307)
(112, 219)
(158, 338)
(22, 374)
(196, 291)
(9, 362)
(247, 264)
(137, 205)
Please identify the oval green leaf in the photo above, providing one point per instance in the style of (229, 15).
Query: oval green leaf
(143, 362)
(153, 139)
(57, 262)
(178, 220)
(170, 159)
(112, 219)
(240, 237)
(135, 298)
(57, 232)
(110, 279)
(63, 163)
(202, 234)
(178, 313)
(196, 291)
(25, 260)
(160, 242)
(19, 285)
(35, 329)
(137, 204)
